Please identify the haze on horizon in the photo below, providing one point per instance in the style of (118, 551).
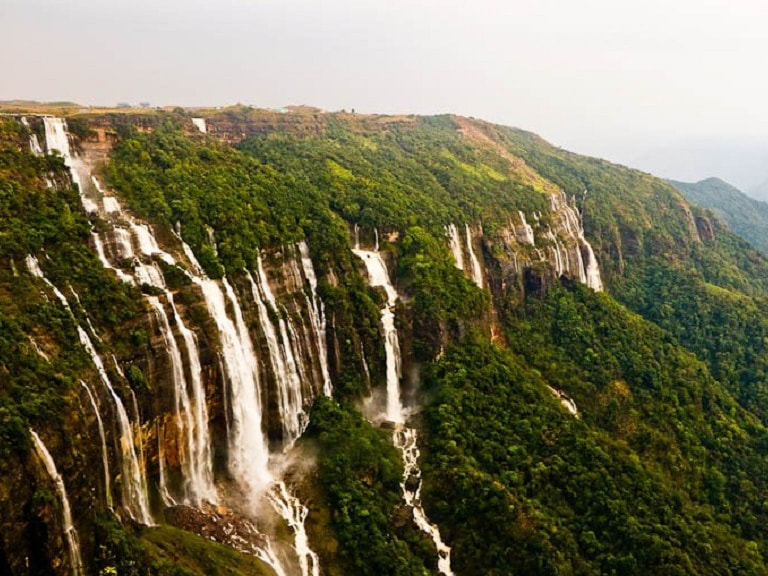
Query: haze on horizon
(670, 86)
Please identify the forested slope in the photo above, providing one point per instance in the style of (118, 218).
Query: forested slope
(660, 470)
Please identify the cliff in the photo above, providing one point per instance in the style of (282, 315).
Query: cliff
(209, 320)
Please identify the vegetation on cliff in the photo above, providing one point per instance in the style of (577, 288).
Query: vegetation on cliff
(662, 471)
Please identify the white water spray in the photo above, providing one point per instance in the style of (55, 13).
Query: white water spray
(104, 454)
(318, 317)
(378, 276)
(406, 440)
(455, 243)
(70, 533)
(475, 268)
(295, 513)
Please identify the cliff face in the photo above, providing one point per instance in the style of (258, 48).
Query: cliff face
(217, 298)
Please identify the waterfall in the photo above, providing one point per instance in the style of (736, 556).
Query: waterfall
(594, 280)
(201, 465)
(192, 434)
(589, 274)
(104, 454)
(57, 139)
(248, 453)
(123, 243)
(70, 533)
(247, 444)
(134, 488)
(200, 124)
(105, 262)
(527, 235)
(34, 145)
(134, 482)
(290, 401)
(406, 440)
(317, 317)
(476, 269)
(455, 243)
(34, 267)
(565, 400)
(295, 513)
(403, 437)
(378, 276)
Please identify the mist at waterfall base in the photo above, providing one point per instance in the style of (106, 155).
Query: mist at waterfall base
(255, 489)
(289, 348)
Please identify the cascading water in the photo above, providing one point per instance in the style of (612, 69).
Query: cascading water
(527, 232)
(475, 268)
(200, 124)
(193, 441)
(134, 482)
(104, 454)
(70, 533)
(317, 317)
(295, 513)
(191, 412)
(201, 482)
(566, 401)
(378, 276)
(134, 487)
(290, 401)
(455, 243)
(97, 243)
(589, 274)
(57, 139)
(34, 145)
(403, 437)
(407, 440)
(248, 453)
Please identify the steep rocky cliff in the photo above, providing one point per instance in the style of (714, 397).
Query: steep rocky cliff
(184, 296)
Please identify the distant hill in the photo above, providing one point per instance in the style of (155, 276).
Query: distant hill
(745, 216)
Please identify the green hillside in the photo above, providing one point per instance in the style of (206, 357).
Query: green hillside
(745, 216)
(663, 470)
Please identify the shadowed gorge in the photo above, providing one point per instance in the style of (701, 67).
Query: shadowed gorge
(301, 343)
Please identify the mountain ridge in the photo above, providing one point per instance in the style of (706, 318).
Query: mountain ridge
(746, 216)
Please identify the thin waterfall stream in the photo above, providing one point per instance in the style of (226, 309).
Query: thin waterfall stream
(404, 438)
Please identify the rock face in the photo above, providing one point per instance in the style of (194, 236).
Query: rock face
(179, 387)
(530, 252)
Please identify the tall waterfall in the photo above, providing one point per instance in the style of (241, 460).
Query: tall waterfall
(103, 438)
(191, 412)
(134, 486)
(190, 418)
(475, 268)
(378, 276)
(248, 451)
(589, 274)
(317, 317)
(70, 533)
(57, 140)
(189, 397)
(288, 382)
(455, 243)
(134, 481)
(403, 437)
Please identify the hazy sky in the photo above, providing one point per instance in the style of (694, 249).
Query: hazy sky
(616, 78)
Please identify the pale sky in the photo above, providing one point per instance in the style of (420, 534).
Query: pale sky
(628, 80)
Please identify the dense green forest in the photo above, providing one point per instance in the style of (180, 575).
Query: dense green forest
(663, 469)
(745, 216)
